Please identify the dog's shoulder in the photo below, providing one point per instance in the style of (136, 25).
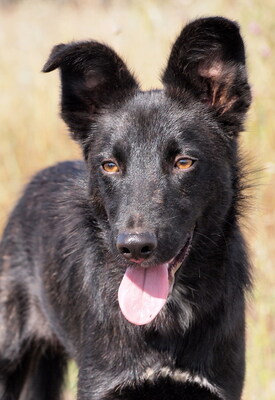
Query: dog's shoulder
(64, 179)
(53, 192)
(65, 172)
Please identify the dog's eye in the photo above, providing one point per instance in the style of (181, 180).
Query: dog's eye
(184, 163)
(110, 167)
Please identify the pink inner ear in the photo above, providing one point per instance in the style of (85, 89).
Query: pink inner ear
(213, 70)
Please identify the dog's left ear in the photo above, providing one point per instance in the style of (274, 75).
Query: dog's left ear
(208, 60)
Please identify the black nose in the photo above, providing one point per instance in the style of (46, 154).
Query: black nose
(136, 246)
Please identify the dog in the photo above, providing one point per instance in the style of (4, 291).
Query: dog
(132, 261)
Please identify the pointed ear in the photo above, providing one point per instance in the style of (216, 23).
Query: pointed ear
(208, 60)
(92, 77)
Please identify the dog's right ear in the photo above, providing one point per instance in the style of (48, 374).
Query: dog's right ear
(92, 76)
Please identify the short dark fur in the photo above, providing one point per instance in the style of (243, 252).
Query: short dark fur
(60, 267)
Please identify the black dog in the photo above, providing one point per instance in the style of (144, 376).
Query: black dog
(132, 263)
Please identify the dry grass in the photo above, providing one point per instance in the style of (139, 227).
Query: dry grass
(32, 135)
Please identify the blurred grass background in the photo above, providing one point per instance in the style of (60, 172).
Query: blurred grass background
(32, 136)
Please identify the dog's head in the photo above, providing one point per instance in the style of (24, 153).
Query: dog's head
(163, 164)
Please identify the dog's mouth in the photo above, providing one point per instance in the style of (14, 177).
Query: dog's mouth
(178, 260)
(144, 291)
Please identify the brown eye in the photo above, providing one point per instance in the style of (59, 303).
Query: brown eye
(110, 167)
(184, 163)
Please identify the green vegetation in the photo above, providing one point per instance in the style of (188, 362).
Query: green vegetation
(32, 135)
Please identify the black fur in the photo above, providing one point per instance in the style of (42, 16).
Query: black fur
(59, 261)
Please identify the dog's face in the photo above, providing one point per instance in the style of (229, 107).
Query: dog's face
(155, 172)
(162, 162)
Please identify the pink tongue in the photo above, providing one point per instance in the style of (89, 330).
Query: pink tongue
(143, 293)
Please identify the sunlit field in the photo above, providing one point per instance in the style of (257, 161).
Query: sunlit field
(33, 136)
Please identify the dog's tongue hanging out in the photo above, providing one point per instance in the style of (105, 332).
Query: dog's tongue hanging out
(143, 293)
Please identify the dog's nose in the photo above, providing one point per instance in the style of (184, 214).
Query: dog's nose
(136, 246)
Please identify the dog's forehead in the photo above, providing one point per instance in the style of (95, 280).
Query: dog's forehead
(153, 118)
(153, 114)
